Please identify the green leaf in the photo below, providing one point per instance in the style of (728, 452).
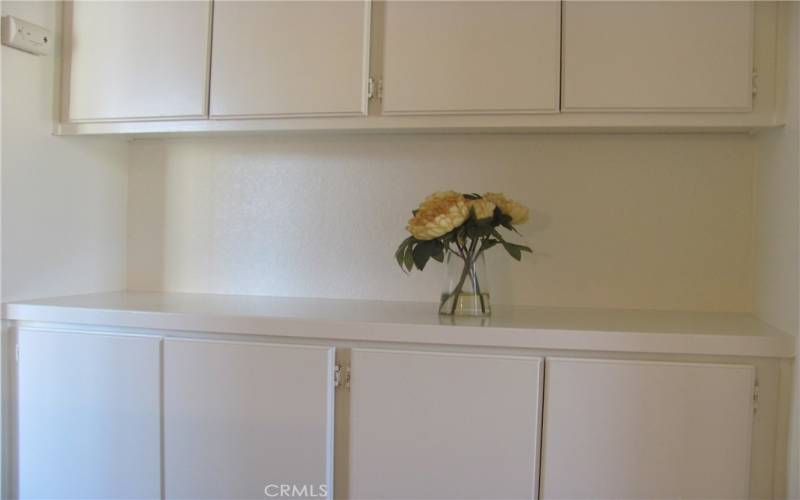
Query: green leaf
(479, 230)
(461, 234)
(408, 259)
(398, 255)
(488, 244)
(438, 253)
(423, 252)
(401, 250)
(515, 250)
(497, 235)
(512, 250)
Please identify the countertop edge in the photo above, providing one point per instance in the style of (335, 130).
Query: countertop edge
(772, 346)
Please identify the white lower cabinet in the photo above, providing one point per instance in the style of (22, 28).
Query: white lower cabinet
(241, 420)
(126, 416)
(636, 429)
(443, 425)
(87, 416)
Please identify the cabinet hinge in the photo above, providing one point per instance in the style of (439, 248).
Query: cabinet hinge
(755, 83)
(374, 88)
(755, 397)
(341, 376)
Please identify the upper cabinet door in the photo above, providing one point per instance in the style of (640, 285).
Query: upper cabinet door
(442, 57)
(290, 58)
(658, 56)
(133, 60)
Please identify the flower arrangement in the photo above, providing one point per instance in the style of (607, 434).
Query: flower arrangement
(459, 228)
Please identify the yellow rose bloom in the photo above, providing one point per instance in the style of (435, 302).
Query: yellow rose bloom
(517, 211)
(483, 208)
(438, 214)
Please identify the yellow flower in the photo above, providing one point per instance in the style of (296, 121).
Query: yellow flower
(517, 211)
(484, 209)
(438, 214)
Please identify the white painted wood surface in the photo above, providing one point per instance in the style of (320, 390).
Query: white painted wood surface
(239, 417)
(290, 58)
(734, 334)
(679, 89)
(88, 416)
(630, 429)
(443, 425)
(470, 57)
(657, 56)
(131, 60)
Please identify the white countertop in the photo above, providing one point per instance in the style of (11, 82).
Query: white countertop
(734, 334)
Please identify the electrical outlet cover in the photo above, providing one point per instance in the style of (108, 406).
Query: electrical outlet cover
(26, 36)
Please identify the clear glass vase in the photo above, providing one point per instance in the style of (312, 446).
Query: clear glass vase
(466, 287)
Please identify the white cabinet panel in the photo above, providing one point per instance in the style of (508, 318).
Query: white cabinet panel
(443, 425)
(657, 56)
(290, 58)
(133, 60)
(630, 429)
(444, 57)
(88, 416)
(239, 417)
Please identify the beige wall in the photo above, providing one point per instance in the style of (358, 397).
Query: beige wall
(776, 207)
(777, 222)
(63, 199)
(627, 221)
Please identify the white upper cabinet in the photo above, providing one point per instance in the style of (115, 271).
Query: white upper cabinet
(657, 56)
(638, 429)
(443, 425)
(442, 57)
(290, 58)
(133, 60)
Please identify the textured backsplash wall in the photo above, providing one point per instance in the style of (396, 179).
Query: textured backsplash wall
(625, 221)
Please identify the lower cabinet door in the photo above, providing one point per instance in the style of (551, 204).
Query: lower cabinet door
(247, 420)
(630, 429)
(88, 423)
(443, 425)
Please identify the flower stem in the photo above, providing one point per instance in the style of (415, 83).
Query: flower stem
(476, 284)
(469, 261)
(457, 290)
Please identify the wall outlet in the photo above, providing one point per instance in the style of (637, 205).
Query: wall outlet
(25, 36)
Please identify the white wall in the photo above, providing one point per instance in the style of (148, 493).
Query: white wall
(63, 199)
(631, 221)
(777, 223)
(776, 210)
